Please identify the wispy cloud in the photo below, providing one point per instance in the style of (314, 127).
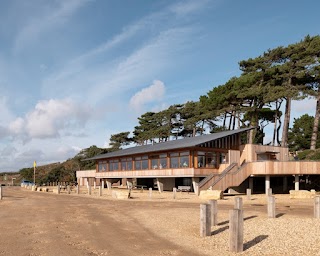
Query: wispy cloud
(52, 17)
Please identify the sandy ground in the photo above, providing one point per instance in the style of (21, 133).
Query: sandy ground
(39, 223)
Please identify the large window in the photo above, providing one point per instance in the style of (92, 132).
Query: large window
(126, 164)
(207, 159)
(179, 160)
(114, 165)
(159, 161)
(141, 163)
(102, 166)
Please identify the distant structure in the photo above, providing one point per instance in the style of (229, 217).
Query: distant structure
(214, 161)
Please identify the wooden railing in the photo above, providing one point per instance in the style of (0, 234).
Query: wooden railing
(212, 179)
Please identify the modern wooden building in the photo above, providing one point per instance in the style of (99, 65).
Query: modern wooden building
(216, 161)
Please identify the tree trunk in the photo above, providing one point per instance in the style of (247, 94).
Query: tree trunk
(230, 121)
(234, 120)
(224, 120)
(275, 125)
(315, 126)
(286, 122)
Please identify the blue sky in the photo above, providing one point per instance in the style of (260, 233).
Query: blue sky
(73, 72)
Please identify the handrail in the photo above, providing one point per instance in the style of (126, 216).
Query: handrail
(221, 175)
(225, 172)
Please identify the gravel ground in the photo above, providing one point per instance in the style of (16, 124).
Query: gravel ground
(293, 232)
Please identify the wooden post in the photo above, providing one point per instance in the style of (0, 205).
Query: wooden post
(100, 190)
(0, 192)
(238, 203)
(236, 230)
(78, 189)
(248, 193)
(174, 193)
(317, 207)
(150, 193)
(58, 187)
(271, 207)
(214, 212)
(89, 189)
(205, 220)
(68, 189)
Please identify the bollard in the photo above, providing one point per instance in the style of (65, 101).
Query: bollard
(317, 207)
(68, 189)
(248, 193)
(205, 220)
(174, 193)
(236, 230)
(78, 189)
(100, 190)
(58, 189)
(89, 189)
(238, 203)
(214, 212)
(271, 207)
(150, 193)
(0, 192)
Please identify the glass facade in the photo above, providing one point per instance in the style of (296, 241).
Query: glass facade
(158, 161)
(126, 164)
(179, 159)
(102, 166)
(207, 159)
(114, 165)
(141, 163)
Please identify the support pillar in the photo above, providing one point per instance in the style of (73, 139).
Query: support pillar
(195, 184)
(109, 184)
(296, 182)
(94, 183)
(285, 184)
(267, 183)
(102, 183)
(87, 182)
(251, 184)
(129, 184)
(160, 185)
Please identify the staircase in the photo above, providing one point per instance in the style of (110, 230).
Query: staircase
(232, 176)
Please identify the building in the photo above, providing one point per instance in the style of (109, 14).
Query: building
(217, 161)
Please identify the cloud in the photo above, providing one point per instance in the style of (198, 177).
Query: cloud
(51, 17)
(187, 7)
(154, 92)
(49, 119)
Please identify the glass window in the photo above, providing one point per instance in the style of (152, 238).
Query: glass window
(126, 164)
(184, 161)
(174, 162)
(114, 165)
(102, 166)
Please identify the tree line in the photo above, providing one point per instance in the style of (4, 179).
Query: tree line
(254, 98)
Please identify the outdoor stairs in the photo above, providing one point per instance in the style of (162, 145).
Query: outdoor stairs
(232, 176)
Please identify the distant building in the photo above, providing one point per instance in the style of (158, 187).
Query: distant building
(216, 161)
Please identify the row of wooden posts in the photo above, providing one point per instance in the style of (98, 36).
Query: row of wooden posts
(209, 212)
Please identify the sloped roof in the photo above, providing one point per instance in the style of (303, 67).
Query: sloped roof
(170, 145)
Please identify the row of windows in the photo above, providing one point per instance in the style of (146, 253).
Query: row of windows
(175, 160)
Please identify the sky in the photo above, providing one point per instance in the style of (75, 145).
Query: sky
(74, 72)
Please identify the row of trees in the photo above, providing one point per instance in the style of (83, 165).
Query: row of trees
(255, 98)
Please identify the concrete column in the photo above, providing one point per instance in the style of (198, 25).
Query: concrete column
(296, 182)
(102, 183)
(108, 182)
(87, 182)
(285, 184)
(160, 185)
(94, 183)
(195, 184)
(129, 184)
(267, 183)
(251, 184)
